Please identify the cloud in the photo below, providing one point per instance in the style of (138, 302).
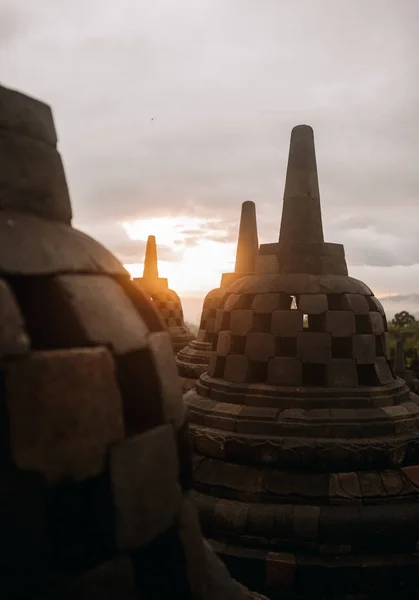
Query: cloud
(186, 109)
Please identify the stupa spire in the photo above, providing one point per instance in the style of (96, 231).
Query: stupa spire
(301, 211)
(248, 244)
(150, 262)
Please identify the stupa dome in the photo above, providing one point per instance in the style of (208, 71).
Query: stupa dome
(95, 463)
(193, 360)
(166, 301)
(306, 443)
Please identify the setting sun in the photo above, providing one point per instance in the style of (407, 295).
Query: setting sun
(198, 253)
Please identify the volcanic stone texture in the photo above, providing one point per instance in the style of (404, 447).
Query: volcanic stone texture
(169, 306)
(95, 463)
(192, 361)
(306, 443)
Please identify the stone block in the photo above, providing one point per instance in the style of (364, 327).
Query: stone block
(286, 323)
(344, 488)
(356, 303)
(313, 304)
(314, 347)
(144, 473)
(306, 523)
(284, 371)
(237, 368)
(340, 323)
(267, 264)
(241, 322)
(383, 370)
(13, 337)
(342, 372)
(167, 374)
(281, 570)
(231, 516)
(222, 320)
(216, 365)
(377, 323)
(265, 303)
(376, 305)
(363, 347)
(32, 179)
(104, 311)
(65, 410)
(224, 343)
(260, 346)
(233, 302)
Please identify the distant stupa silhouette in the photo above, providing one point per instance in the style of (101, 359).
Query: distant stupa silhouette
(193, 360)
(307, 461)
(165, 300)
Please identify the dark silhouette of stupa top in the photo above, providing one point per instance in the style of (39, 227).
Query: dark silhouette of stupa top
(306, 443)
(95, 467)
(193, 360)
(166, 301)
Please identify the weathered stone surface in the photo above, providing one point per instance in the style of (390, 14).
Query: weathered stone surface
(340, 323)
(146, 493)
(69, 443)
(63, 249)
(237, 368)
(14, 340)
(106, 314)
(364, 348)
(32, 178)
(286, 323)
(241, 322)
(284, 371)
(174, 407)
(313, 304)
(314, 347)
(342, 373)
(357, 303)
(265, 303)
(260, 346)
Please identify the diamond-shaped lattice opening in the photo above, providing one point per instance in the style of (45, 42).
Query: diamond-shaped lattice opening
(317, 323)
(262, 323)
(258, 372)
(342, 347)
(367, 375)
(314, 374)
(335, 301)
(363, 324)
(286, 347)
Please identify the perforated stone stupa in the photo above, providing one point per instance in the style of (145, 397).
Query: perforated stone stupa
(193, 360)
(95, 465)
(306, 443)
(166, 301)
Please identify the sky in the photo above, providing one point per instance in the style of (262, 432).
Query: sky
(170, 114)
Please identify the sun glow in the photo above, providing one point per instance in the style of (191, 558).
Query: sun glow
(199, 254)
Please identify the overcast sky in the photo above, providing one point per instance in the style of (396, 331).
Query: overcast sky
(168, 107)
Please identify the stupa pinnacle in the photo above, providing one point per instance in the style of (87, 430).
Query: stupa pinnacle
(166, 301)
(193, 360)
(306, 443)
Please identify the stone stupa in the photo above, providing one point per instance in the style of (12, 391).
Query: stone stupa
(95, 464)
(193, 360)
(306, 443)
(166, 301)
